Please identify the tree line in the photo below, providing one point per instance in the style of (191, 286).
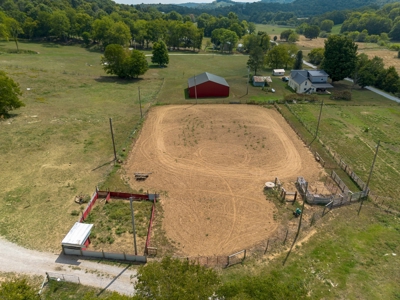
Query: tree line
(278, 13)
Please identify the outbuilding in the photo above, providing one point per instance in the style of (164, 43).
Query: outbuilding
(261, 80)
(77, 237)
(207, 85)
(278, 72)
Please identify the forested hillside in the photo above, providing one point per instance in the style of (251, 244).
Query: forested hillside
(260, 12)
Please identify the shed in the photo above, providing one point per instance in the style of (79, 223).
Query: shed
(278, 72)
(260, 80)
(78, 236)
(207, 85)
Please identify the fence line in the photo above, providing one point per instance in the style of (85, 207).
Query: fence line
(105, 255)
(338, 159)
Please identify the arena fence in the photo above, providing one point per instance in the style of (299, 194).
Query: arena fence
(150, 250)
(105, 255)
(107, 195)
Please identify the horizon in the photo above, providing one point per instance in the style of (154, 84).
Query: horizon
(174, 1)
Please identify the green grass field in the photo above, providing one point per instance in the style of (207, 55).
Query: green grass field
(272, 30)
(353, 131)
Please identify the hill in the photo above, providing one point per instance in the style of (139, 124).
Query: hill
(259, 12)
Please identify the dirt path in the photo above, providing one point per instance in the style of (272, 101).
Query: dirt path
(211, 162)
(14, 258)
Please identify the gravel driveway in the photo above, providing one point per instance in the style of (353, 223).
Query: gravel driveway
(14, 258)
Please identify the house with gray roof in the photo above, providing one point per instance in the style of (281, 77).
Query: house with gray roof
(309, 81)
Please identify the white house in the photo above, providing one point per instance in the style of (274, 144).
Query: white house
(278, 72)
(309, 81)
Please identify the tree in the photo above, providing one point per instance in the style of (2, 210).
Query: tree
(340, 57)
(281, 56)
(9, 92)
(136, 64)
(316, 56)
(175, 279)
(118, 61)
(293, 37)
(390, 80)
(298, 64)
(326, 25)
(395, 32)
(285, 34)
(14, 29)
(17, 289)
(311, 32)
(160, 54)
(60, 24)
(119, 33)
(256, 59)
(368, 70)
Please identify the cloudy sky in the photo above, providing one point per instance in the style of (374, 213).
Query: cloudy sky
(171, 1)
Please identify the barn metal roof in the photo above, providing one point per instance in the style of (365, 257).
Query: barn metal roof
(204, 77)
(77, 235)
(262, 79)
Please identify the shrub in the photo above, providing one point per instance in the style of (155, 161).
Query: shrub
(74, 213)
(343, 95)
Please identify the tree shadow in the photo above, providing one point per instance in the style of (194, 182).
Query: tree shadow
(51, 45)
(117, 80)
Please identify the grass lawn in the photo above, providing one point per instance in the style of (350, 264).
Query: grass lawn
(59, 145)
(349, 257)
(336, 29)
(353, 131)
(272, 30)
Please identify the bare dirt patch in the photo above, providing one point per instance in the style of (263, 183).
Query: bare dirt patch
(211, 162)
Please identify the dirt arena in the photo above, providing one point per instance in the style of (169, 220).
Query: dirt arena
(211, 162)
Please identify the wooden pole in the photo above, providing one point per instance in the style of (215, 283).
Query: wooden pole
(133, 225)
(287, 231)
(266, 248)
(195, 88)
(369, 177)
(140, 104)
(248, 79)
(112, 136)
(319, 118)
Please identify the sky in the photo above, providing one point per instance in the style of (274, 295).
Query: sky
(171, 1)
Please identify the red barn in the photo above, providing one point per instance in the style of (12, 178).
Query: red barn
(208, 85)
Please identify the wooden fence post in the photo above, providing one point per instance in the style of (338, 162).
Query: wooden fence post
(284, 241)
(266, 248)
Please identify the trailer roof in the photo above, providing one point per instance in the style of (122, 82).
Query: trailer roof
(77, 235)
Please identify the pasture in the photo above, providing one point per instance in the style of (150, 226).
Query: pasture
(353, 131)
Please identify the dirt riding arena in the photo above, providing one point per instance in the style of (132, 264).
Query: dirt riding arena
(211, 162)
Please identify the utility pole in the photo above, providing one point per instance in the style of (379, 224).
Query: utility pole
(302, 212)
(319, 118)
(133, 225)
(248, 79)
(366, 189)
(112, 136)
(195, 88)
(140, 104)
